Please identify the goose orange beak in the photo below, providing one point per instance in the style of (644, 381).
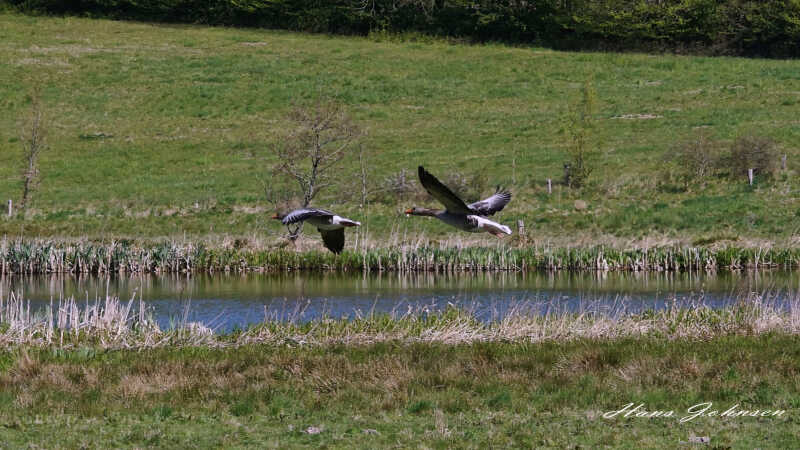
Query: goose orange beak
(409, 210)
(275, 216)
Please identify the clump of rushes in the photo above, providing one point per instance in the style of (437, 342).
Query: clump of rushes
(46, 256)
(111, 323)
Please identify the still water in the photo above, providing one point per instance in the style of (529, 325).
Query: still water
(224, 302)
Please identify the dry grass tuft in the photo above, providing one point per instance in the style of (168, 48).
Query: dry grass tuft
(140, 385)
(110, 323)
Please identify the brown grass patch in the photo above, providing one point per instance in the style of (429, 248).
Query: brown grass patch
(43, 62)
(638, 116)
(29, 373)
(138, 386)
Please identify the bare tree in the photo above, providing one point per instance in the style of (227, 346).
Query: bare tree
(277, 194)
(321, 136)
(32, 137)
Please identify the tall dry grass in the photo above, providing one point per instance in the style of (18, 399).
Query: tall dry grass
(111, 323)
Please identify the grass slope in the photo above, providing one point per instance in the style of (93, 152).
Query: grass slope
(164, 130)
(546, 395)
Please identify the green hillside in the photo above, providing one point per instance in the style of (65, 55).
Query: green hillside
(166, 130)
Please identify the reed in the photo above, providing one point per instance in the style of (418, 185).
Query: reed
(49, 256)
(111, 323)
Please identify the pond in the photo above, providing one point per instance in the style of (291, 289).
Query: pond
(224, 302)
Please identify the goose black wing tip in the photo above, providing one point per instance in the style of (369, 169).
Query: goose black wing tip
(333, 240)
(500, 190)
(421, 172)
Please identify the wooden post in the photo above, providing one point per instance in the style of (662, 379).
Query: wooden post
(783, 162)
(521, 227)
(10, 209)
(549, 186)
(750, 176)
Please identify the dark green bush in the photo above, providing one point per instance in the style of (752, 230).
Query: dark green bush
(745, 27)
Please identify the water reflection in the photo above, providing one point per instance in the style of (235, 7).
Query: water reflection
(226, 301)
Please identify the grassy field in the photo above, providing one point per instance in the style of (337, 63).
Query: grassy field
(429, 395)
(160, 130)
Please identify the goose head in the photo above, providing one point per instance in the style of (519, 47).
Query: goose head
(418, 211)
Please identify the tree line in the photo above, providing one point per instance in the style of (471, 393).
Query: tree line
(768, 28)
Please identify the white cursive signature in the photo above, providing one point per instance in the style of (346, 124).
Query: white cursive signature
(699, 410)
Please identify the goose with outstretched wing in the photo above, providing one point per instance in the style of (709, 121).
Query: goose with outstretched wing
(472, 217)
(329, 225)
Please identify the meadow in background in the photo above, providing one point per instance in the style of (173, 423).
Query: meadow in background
(165, 130)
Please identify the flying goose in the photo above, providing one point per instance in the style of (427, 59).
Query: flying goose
(330, 226)
(465, 217)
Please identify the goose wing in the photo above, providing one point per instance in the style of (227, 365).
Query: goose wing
(442, 193)
(333, 239)
(493, 204)
(299, 215)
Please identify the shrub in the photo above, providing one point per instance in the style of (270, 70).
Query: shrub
(753, 152)
(399, 186)
(697, 158)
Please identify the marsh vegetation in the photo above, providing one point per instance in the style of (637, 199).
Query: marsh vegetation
(125, 256)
